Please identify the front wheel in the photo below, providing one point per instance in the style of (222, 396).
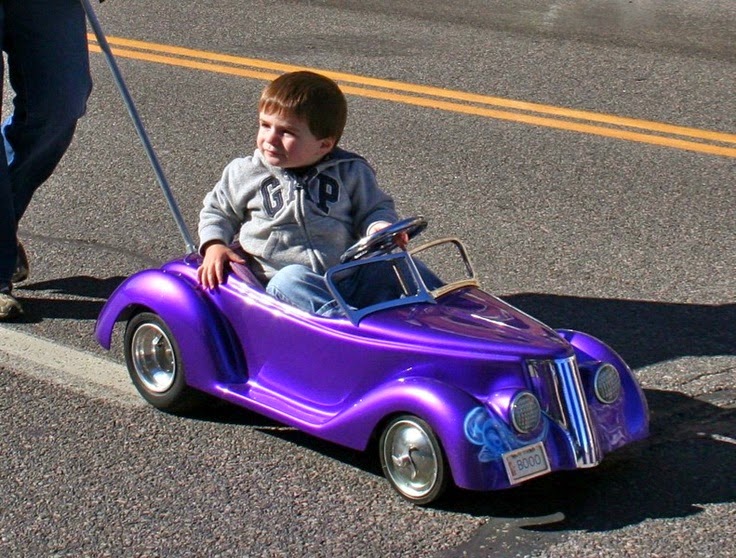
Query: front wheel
(412, 460)
(155, 365)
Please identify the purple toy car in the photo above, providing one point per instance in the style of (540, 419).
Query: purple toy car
(455, 385)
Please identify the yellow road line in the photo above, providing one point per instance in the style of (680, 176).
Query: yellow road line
(600, 124)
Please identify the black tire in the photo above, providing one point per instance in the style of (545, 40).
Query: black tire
(155, 365)
(412, 460)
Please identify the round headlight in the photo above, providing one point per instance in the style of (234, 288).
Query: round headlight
(607, 383)
(525, 412)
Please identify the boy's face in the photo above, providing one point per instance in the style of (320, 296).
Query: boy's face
(287, 142)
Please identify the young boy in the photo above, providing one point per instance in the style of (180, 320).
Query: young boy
(299, 201)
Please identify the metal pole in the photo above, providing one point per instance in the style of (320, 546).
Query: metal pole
(120, 82)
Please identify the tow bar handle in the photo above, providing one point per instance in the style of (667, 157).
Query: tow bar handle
(138, 123)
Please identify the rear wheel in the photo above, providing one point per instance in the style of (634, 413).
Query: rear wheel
(412, 460)
(155, 365)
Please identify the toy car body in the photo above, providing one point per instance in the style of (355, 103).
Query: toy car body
(456, 384)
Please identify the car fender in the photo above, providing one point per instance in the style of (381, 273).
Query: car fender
(636, 410)
(443, 406)
(206, 340)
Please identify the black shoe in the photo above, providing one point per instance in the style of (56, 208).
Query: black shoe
(22, 269)
(10, 308)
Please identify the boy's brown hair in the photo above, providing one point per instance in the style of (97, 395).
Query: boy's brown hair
(311, 96)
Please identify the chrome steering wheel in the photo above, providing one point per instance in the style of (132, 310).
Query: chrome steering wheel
(385, 240)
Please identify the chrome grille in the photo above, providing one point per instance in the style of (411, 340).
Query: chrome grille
(557, 384)
(547, 389)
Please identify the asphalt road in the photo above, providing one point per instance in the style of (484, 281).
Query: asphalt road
(591, 176)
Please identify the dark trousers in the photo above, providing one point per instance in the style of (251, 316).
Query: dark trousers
(48, 70)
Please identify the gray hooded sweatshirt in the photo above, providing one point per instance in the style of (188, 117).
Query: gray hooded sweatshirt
(282, 217)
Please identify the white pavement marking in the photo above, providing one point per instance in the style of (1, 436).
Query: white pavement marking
(79, 370)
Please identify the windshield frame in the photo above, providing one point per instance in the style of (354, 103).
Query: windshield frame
(422, 295)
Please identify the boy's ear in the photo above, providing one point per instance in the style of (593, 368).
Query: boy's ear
(327, 144)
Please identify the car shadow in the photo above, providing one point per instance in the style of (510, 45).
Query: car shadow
(690, 455)
(642, 332)
(226, 413)
(687, 462)
(681, 467)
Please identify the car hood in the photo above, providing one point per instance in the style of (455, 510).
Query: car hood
(469, 319)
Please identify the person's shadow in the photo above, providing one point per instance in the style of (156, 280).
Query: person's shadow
(76, 298)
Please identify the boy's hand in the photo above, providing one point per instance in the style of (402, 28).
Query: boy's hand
(217, 257)
(402, 240)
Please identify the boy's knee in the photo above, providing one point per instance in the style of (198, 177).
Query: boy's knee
(290, 275)
(300, 286)
(287, 280)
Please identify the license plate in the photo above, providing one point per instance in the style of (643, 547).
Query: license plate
(526, 463)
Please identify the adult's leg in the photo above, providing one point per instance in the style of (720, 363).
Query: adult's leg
(8, 249)
(48, 69)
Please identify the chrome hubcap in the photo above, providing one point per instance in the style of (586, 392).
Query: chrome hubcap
(153, 358)
(410, 458)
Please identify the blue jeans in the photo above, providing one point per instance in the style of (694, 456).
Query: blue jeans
(48, 69)
(300, 286)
